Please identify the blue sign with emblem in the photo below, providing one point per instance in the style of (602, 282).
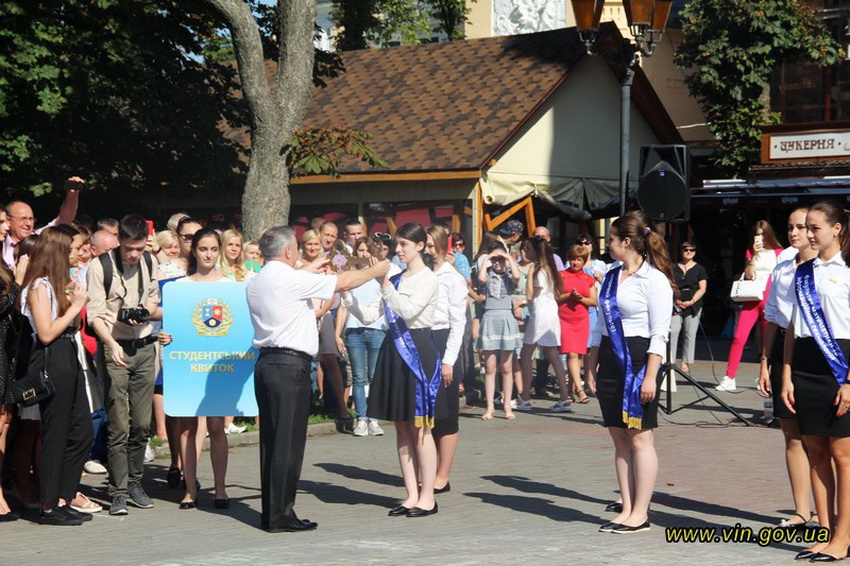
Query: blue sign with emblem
(208, 369)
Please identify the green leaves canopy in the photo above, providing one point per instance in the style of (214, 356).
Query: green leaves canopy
(731, 48)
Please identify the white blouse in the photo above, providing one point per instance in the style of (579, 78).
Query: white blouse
(451, 309)
(780, 302)
(645, 300)
(832, 282)
(415, 301)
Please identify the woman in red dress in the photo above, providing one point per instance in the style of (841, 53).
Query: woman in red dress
(579, 294)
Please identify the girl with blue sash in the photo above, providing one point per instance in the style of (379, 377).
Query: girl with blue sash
(408, 374)
(636, 305)
(777, 312)
(815, 371)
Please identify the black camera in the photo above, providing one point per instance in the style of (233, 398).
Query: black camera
(136, 314)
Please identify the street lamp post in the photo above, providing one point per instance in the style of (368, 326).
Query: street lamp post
(647, 20)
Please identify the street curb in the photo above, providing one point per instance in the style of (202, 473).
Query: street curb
(251, 438)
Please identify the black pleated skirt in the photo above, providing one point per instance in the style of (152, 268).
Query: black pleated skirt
(776, 360)
(392, 395)
(610, 383)
(814, 390)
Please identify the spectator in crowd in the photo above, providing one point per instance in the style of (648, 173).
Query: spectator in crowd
(22, 221)
(544, 233)
(169, 245)
(352, 231)
(458, 249)
(543, 329)
(174, 220)
(66, 426)
(328, 233)
(120, 309)
(761, 259)
(108, 225)
(102, 241)
(252, 257)
(578, 296)
(363, 342)
(499, 337)
(511, 232)
(230, 260)
(692, 281)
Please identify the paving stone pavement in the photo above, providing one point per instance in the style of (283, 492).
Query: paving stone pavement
(531, 490)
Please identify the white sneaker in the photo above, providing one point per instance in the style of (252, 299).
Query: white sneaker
(94, 467)
(497, 401)
(728, 384)
(149, 455)
(513, 403)
(375, 429)
(233, 429)
(361, 428)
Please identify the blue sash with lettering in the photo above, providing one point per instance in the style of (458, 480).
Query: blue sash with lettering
(632, 409)
(426, 390)
(812, 311)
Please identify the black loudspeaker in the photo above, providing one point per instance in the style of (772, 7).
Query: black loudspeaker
(663, 190)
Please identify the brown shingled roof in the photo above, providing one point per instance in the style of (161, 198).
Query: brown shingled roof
(445, 106)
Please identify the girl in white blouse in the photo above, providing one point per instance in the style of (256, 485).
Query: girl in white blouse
(400, 393)
(640, 293)
(777, 312)
(449, 326)
(814, 387)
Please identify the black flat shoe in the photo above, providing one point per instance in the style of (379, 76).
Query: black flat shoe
(821, 557)
(222, 503)
(417, 512)
(614, 507)
(399, 511)
(626, 530)
(173, 477)
(187, 505)
(804, 554)
(445, 489)
(608, 527)
(9, 517)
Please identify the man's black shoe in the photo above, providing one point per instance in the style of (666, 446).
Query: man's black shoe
(71, 512)
(58, 518)
(296, 526)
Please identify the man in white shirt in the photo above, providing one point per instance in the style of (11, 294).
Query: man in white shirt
(22, 220)
(352, 231)
(285, 333)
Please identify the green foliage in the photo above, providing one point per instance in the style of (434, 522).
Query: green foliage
(323, 151)
(731, 49)
(365, 22)
(116, 91)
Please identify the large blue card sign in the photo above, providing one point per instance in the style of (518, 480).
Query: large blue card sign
(208, 370)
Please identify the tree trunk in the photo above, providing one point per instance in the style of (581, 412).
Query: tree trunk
(277, 110)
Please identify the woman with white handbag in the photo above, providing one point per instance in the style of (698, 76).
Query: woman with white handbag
(761, 259)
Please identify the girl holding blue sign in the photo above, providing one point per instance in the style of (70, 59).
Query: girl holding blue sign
(636, 304)
(203, 261)
(815, 371)
(408, 374)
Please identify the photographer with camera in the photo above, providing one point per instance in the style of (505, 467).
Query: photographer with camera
(123, 298)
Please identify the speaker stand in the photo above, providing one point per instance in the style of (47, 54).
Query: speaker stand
(669, 371)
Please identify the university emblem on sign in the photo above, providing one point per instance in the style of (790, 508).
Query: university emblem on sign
(212, 317)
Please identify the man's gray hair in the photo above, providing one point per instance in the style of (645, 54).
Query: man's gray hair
(275, 240)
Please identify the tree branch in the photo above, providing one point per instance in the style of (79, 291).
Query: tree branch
(249, 56)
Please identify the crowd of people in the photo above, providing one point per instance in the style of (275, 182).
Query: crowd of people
(393, 326)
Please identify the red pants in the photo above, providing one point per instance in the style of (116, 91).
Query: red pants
(750, 314)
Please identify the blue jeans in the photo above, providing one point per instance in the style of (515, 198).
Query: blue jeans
(363, 345)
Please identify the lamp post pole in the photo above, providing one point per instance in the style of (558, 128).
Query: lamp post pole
(647, 20)
(628, 55)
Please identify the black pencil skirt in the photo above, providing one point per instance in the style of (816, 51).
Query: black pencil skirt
(610, 383)
(776, 360)
(815, 388)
